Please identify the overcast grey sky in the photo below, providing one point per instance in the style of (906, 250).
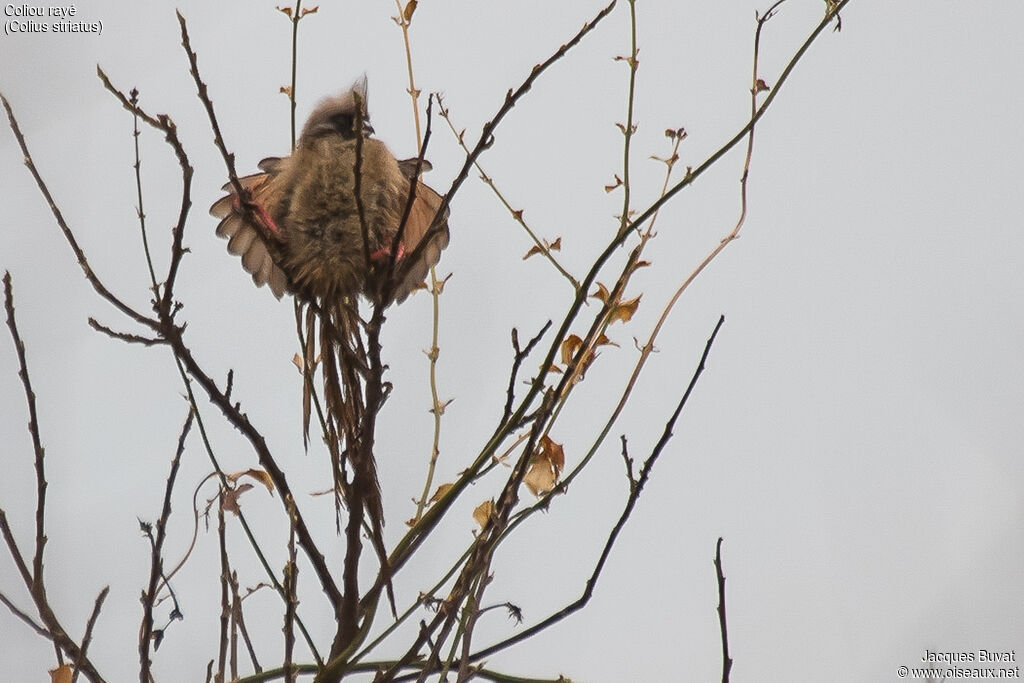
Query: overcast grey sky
(856, 438)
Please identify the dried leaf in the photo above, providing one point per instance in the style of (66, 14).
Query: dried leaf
(482, 513)
(553, 452)
(569, 347)
(62, 674)
(552, 368)
(539, 480)
(311, 10)
(546, 468)
(546, 247)
(760, 86)
(625, 310)
(617, 183)
(259, 475)
(602, 293)
(229, 501)
(410, 8)
(286, 90)
(285, 10)
(535, 249)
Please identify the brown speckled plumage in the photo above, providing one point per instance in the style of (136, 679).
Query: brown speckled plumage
(312, 244)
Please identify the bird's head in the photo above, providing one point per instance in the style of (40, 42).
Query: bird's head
(339, 115)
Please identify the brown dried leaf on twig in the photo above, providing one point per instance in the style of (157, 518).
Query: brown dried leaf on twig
(617, 183)
(259, 475)
(569, 347)
(482, 513)
(229, 498)
(547, 246)
(62, 674)
(602, 293)
(546, 468)
(624, 311)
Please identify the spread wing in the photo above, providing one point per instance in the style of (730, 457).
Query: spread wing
(246, 238)
(424, 208)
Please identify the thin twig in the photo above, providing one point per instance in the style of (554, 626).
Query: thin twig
(541, 246)
(14, 608)
(726, 659)
(125, 336)
(517, 361)
(290, 582)
(404, 21)
(87, 637)
(134, 101)
(629, 129)
(225, 596)
(166, 125)
(156, 565)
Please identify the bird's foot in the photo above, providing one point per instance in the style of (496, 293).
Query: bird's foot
(260, 215)
(383, 254)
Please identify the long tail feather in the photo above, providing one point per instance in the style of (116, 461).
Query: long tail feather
(343, 366)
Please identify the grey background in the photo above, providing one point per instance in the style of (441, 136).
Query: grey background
(855, 439)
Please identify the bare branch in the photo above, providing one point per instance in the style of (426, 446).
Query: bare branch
(517, 361)
(36, 582)
(87, 637)
(634, 495)
(156, 562)
(125, 336)
(14, 608)
(34, 579)
(726, 659)
(90, 275)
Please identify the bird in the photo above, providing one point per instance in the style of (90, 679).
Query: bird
(303, 230)
(338, 219)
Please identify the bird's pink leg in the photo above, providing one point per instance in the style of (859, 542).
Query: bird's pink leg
(261, 214)
(385, 253)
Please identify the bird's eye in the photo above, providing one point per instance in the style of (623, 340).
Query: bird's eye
(343, 123)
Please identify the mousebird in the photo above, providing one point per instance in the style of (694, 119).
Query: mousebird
(301, 227)
(304, 232)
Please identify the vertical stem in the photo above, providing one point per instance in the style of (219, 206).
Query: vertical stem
(295, 64)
